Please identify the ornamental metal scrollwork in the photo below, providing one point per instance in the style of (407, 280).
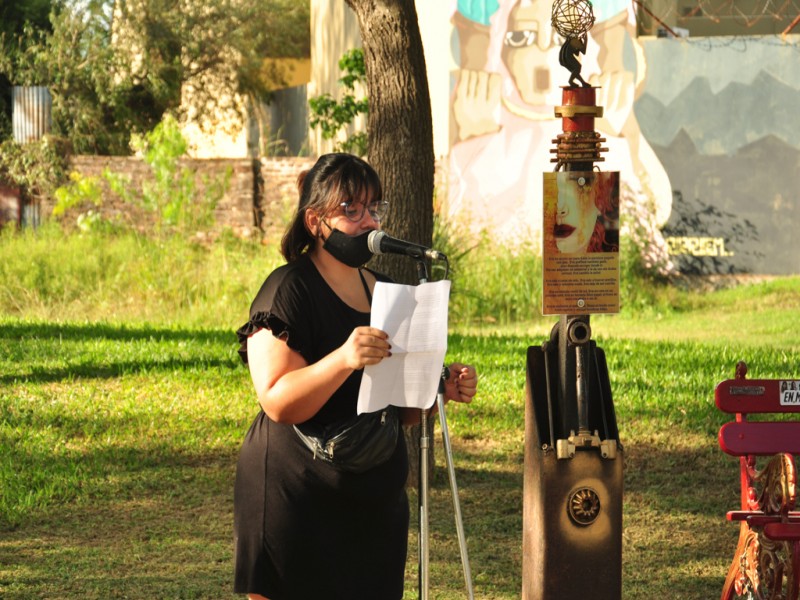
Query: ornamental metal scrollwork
(765, 565)
(778, 484)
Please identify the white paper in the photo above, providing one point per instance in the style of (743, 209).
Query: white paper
(415, 317)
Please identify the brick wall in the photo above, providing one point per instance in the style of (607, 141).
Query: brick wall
(10, 205)
(260, 198)
(279, 198)
(261, 193)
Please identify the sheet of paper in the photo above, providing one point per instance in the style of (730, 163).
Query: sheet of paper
(415, 317)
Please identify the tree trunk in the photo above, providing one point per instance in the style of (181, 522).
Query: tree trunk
(400, 139)
(399, 122)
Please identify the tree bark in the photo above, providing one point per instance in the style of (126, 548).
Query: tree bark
(399, 122)
(400, 134)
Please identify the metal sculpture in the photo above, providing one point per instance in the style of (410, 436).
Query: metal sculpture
(572, 494)
(572, 19)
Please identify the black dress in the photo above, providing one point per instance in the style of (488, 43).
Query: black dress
(303, 529)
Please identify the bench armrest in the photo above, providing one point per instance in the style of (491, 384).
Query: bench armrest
(789, 532)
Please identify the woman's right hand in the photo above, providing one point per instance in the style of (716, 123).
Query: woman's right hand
(366, 346)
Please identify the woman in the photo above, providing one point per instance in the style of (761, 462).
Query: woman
(306, 528)
(587, 212)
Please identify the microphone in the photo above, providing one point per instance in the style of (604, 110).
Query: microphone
(380, 243)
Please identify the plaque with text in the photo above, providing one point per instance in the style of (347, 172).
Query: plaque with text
(580, 243)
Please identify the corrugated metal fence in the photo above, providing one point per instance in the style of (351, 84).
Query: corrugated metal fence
(32, 113)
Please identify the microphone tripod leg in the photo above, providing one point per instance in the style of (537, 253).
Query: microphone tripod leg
(462, 541)
(422, 493)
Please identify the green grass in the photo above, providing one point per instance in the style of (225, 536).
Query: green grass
(130, 278)
(120, 426)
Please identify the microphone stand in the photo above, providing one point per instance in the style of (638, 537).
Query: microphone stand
(424, 454)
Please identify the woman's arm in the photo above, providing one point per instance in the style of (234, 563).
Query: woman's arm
(292, 391)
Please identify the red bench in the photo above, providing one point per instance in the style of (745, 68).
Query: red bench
(766, 564)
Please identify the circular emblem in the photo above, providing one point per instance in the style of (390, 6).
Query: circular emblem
(584, 506)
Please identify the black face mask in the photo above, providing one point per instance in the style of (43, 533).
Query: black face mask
(351, 250)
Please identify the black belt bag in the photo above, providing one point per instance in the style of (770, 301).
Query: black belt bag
(355, 444)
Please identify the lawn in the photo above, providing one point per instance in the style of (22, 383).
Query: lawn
(119, 437)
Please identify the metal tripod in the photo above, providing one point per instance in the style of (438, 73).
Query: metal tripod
(424, 454)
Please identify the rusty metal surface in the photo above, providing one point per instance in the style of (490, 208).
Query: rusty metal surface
(556, 548)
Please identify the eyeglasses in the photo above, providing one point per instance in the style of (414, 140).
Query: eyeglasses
(354, 211)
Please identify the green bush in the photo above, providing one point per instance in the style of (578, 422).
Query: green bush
(36, 167)
(172, 194)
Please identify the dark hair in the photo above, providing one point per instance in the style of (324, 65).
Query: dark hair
(334, 178)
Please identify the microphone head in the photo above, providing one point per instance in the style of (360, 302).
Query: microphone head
(374, 241)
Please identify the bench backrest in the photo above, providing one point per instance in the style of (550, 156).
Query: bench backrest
(743, 396)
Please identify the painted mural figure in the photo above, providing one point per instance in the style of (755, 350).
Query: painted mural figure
(505, 91)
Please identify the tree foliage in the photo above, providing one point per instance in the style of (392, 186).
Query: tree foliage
(92, 107)
(331, 115)
(13, 17)
(114, 67)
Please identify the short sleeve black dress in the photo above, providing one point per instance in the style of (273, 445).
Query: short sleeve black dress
(303, 529)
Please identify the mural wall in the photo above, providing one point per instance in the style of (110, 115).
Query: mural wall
(704, 131)
(723, 117)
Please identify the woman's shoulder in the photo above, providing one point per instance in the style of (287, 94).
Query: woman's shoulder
(296, 269)
(290, 277)
(282, 297)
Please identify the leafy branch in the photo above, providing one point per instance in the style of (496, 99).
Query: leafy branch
(332, 116)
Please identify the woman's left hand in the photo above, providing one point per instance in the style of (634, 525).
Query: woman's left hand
(462, 384)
